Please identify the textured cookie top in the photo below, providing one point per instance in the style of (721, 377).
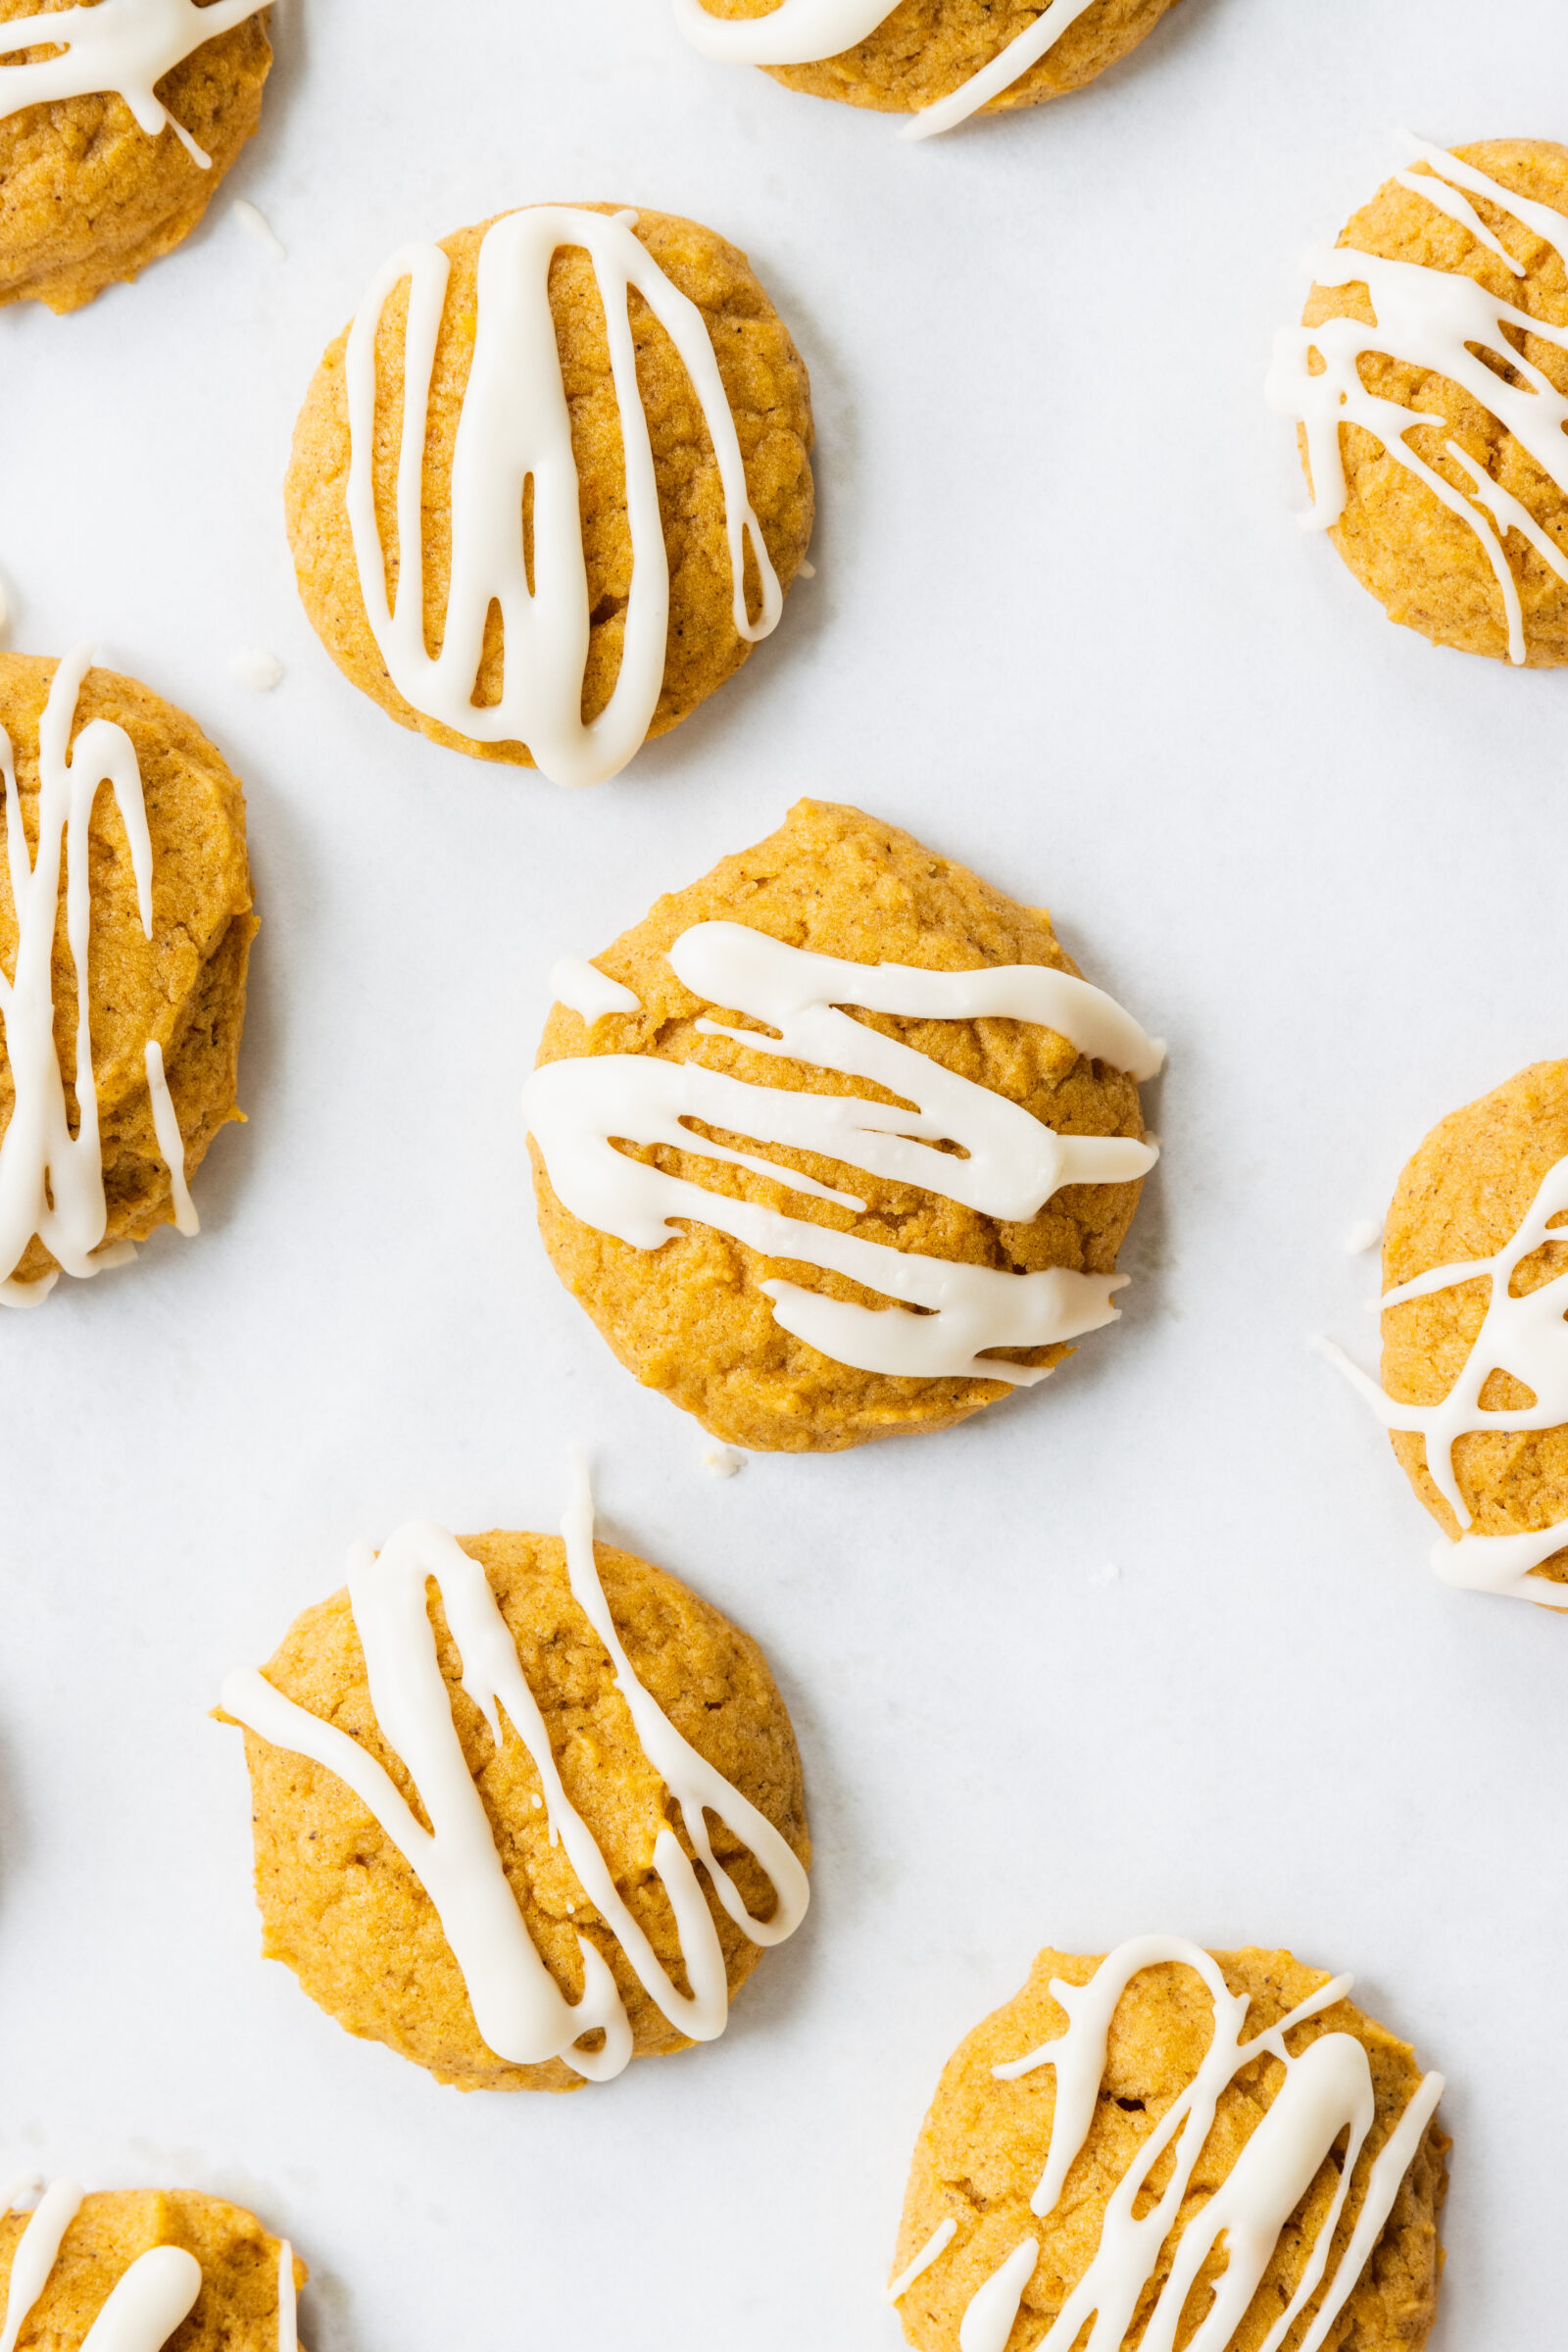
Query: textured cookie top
(87, 195)
(691, 1317)
(344, 1908)
(180, 988)
(992, 2192)
(1456, 526)
(922, 51)
(236, 2304)
(1465, 1195)
(763, 380)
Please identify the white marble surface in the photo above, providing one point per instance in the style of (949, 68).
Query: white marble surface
(1066, 627)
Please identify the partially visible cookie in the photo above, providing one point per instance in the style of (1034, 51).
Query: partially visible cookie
(1286, 2145)
(165, 973)
(554, 1927)
(89, 194)
(825, 1269)
(194, 2268)
(1430, 409)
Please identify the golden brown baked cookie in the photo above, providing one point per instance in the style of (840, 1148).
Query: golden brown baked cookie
(691, 1319)
(924, 50)
(342, 1907)
(183, 988)
(236, 2308)
(986, 2144)
(1463, 1196)
(88, 198)
(764, 380)
(1427, 565)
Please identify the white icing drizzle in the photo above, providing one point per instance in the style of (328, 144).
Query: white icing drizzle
(261, 671)
(517, 2008)
(127, 46)
(1441, 321)
(142, 2311)
(803, 33)
(287, 2303)
(515, 427)
(583, 988)
(170, 1143)
(254, 222)
(51, 1182)
(1327, 2091)
(941, 2237)
(1011, 1163)
(1527, 1337)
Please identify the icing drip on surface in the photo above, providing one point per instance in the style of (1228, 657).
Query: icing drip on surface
(143, 2308)
(583, 988)
(805, 32)
(514, 428)
(126, 46)
(516, 2006)
(51, 1181)
(1010, 1165)
(1440, 321)
(1527, 1337)
(288, 2305)
(1326, 2092)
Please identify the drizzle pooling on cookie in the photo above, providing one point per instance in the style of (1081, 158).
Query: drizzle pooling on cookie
(805, 32)
(1326, 2095)
(520, 2012)
(1441, 321)
(126, 46)
(516, 430)
(1524, 1336)
(51, 1181)
(1008, 1164)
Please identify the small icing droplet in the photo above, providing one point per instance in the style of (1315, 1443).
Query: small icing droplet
(1364, 1235)
(722, 1460)
(260, 672)
(1106, 1573)
(254, 222)
(808, 572)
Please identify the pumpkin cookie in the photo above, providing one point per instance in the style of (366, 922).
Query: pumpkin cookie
(731, 1181)
(606, 428)
(1286, 2142)
(118, 1063)
(155, 2262)
(1430, 382)
(1475, 1336)
(113, 144)
(939, 59)
(577, 1730)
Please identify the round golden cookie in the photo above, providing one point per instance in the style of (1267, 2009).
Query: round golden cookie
(87, 198)
(236, 2309)
(1423, 563)
(185, 986)
(691, 1319)
(342, 1908)
(764, 379)
(984, 2145)
(1464, 1194)
(924, 50)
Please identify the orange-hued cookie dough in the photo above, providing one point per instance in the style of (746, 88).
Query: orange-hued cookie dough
(343, 1909)
(924, 50)
(1463, 1196)
(87, 197)
(236, 2309)
(691, 1319)
(1426, 564)
(185, 986)
(764, 382)
(984, 2147)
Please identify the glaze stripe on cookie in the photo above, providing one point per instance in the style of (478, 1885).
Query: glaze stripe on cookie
(51, 1181)
(1326, 2092)
(1526, 1337)
(1442, 322)
(516, 2006)
(805, 32)
(1011, 1163)
(514, 428)
(142, 2311)
(126, 46)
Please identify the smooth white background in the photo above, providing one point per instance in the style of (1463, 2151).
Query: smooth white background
(1065, 627)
